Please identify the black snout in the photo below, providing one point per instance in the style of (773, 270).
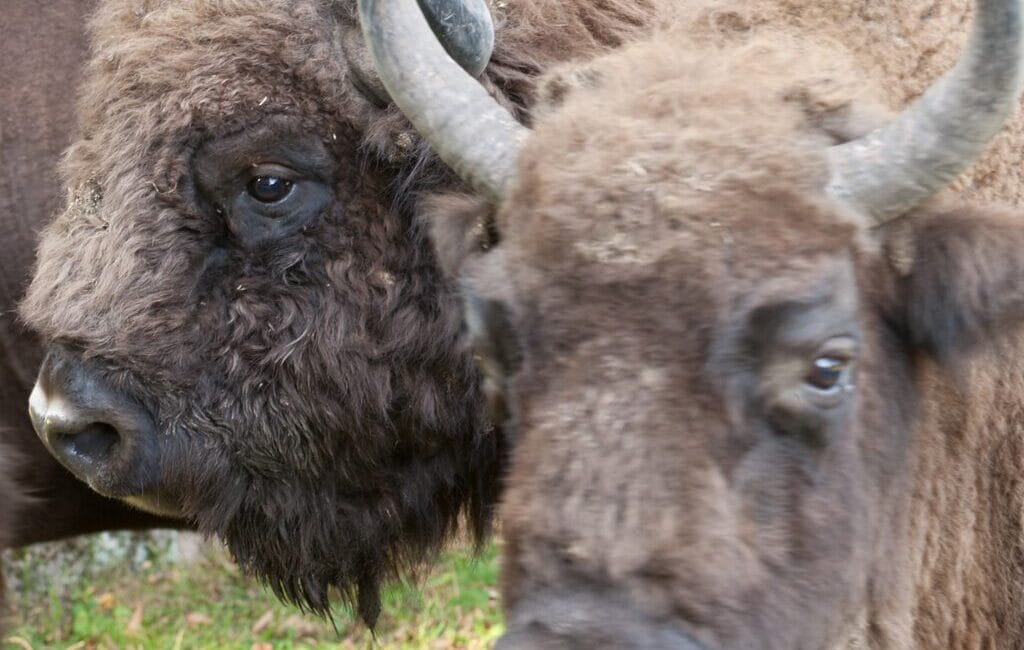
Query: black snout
(80, 441)
(102, 435)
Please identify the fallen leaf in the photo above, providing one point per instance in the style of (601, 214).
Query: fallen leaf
(106, 600)
(197, 618)
(263, 622)
(134, 625)
(261, 646)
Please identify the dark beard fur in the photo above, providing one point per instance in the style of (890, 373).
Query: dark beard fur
(302, 540)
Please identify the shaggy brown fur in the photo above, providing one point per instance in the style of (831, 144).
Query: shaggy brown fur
(313, 406)
(44, 46)
(671, 267)
(901, 46)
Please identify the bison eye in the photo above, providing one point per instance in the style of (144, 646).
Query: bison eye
(269, 189)
(826, 373)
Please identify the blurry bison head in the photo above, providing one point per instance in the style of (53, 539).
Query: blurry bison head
(246, 326)
(738, 424)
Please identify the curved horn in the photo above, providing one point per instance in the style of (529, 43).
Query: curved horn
(464, 28)
(478, 138)
(892, 169)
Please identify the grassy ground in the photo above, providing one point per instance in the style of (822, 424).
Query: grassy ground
(208, 604)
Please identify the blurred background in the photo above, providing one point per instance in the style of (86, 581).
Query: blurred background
(176, 590)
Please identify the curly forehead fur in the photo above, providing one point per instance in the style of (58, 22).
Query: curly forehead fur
(769, 132)
(315, 407)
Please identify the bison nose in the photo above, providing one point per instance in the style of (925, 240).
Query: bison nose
(100, 434)
(76, 439)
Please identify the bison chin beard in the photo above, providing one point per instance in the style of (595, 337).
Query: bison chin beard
(305, 538)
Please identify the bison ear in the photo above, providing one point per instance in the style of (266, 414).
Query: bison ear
(959, 275)
(462, 228)
(466, 243)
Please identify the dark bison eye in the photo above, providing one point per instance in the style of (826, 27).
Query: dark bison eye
(826, 373)
(269, 189)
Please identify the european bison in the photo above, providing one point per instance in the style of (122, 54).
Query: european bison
(43, 46)
(767, 385)
(246, 327)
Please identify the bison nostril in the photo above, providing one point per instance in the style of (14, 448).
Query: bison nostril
(93, 443)
(99, 433)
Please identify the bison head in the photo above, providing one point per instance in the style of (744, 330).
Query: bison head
(731, 381)
(246, 327)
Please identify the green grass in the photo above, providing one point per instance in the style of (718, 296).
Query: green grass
(209, 604)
